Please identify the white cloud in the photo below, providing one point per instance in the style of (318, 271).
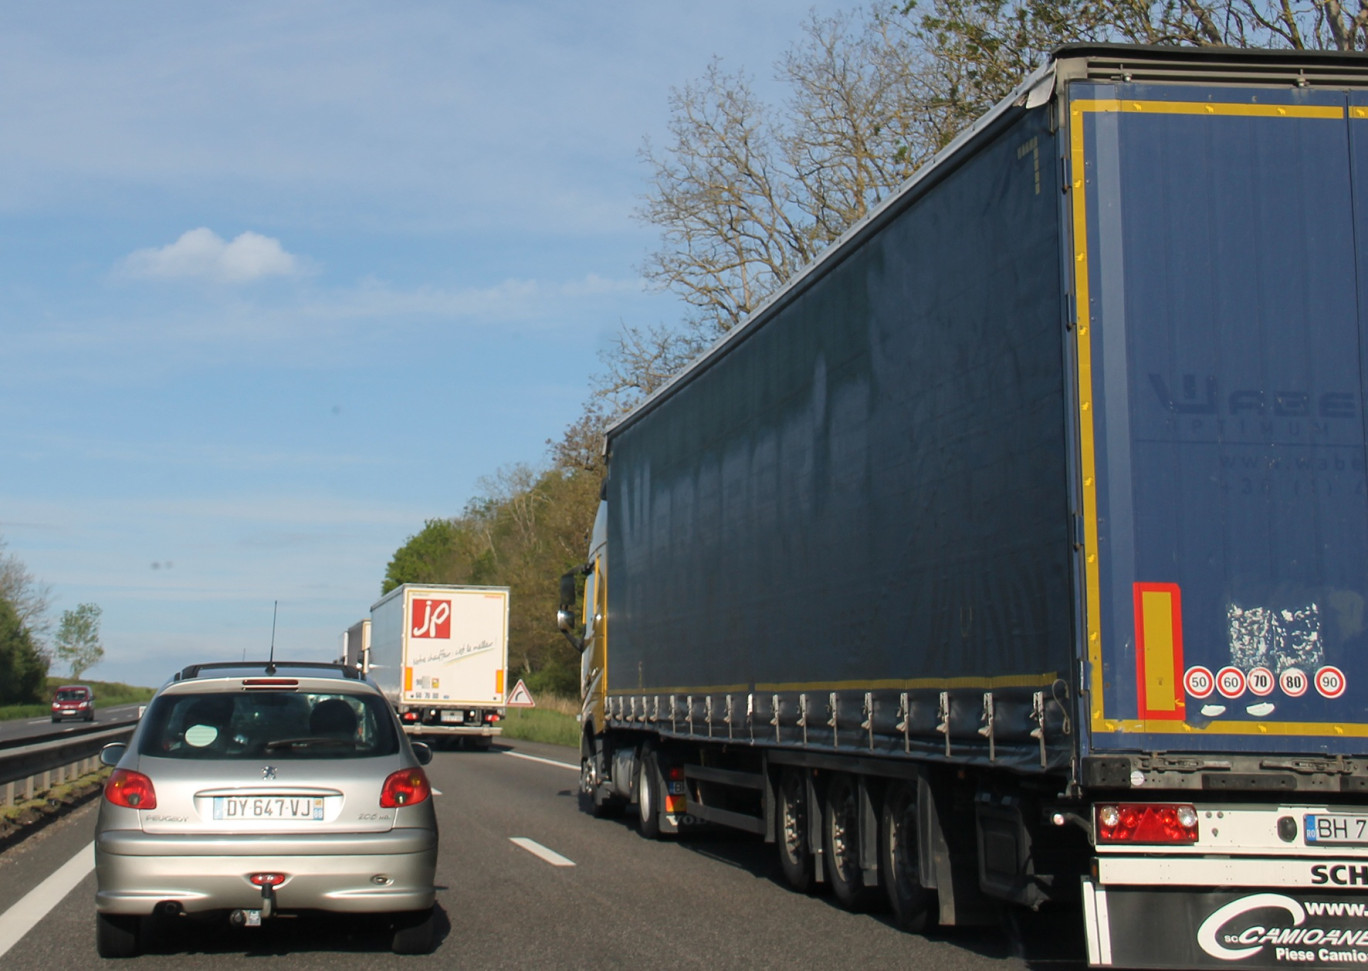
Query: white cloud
(202, 254)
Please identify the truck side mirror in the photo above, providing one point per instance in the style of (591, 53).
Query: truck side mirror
(565, 616)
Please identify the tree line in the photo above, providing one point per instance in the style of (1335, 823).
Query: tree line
(745, 193)
(25, 656)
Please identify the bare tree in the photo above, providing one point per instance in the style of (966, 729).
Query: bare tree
(30, 599)
(731, 227)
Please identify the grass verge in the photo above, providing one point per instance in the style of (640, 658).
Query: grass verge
(554, 721)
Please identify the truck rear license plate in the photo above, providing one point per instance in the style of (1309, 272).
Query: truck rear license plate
(453, 716)
(1337, 830)
(268, 807)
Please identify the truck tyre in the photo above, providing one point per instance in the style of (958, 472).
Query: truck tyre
(601, 805)
(913, 905)
(116, 935)
(841, 845)
(795, 855)
(648, 793)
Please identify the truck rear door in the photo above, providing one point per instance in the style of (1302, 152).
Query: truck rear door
(1219, 294)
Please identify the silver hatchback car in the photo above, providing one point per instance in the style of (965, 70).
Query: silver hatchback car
(252, 790)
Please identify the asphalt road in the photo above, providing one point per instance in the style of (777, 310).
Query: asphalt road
(34, 728)
(584, 893)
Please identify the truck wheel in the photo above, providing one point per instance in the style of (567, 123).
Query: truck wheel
(116, 935)
(841, 842)
(601, 805)
(913, 905)
(795, 856)
(648, 795)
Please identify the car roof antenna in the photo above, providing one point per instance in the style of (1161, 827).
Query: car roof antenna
(270, 664)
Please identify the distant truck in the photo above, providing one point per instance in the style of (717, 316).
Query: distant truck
(440, 654)
(1017, 550)
(356, 645)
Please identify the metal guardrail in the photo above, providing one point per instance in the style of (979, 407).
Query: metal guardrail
(26, 770)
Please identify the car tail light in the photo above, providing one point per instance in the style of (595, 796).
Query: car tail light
(130, 789)
(407, 787)
(1146, 823)
(267, 879)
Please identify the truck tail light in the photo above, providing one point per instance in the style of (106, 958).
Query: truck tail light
(675, 799)
(491, 717)
(130, 789)
(1146, 823)
(407, 787)
(409, 717)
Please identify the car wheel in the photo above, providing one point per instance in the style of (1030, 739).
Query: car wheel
(413, 933)
(116, 935)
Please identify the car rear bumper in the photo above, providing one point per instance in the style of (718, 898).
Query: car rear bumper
(346, 873)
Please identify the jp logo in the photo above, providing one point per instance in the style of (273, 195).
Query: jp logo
(1253, 937)
(431, 618)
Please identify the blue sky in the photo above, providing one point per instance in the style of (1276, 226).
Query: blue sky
(279, 281)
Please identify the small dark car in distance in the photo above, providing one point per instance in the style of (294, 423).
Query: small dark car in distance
(73, 701)
(255, 790)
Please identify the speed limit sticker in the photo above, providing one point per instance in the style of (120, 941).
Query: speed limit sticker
(1330, 681)
(1198, 681)
(1261, 682)
(1293, 682)
(1230, 682)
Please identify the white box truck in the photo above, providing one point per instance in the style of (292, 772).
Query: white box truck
(440, 653)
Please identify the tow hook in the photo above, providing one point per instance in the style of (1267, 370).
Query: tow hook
(253, 918)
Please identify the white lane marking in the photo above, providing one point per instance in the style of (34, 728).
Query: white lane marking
(536, 849)
(39, 721)
(534, 758)
(20, 918)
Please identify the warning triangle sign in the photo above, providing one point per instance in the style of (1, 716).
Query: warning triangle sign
(520, 697)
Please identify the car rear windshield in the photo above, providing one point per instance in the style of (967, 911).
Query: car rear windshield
(281, 724)
(71, 694)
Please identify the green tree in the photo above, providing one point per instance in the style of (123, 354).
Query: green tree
(23, 670)
(522, 533)
(78, 638)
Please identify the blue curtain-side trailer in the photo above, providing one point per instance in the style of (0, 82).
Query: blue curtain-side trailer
(1017, 551)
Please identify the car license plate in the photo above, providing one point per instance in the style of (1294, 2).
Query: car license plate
(268, 807)
(1324, 829)
(453, 716)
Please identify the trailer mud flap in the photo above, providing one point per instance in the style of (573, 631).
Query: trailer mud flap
(1256, 929)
